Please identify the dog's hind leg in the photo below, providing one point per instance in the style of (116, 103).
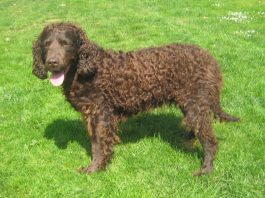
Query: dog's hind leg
(199, 119)
(189, 132)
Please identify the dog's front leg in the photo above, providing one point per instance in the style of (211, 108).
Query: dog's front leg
(101, 129)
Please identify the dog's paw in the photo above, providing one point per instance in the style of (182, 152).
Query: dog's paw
(92, 168)
(203, 171)
(88, 170)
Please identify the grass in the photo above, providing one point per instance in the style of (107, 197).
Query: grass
(43, 141)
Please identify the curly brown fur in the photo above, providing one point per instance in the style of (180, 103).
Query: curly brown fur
(106, 85)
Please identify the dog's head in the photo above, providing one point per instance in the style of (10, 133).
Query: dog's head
(59, 47)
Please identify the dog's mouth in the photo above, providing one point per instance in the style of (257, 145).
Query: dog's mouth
(57, 77)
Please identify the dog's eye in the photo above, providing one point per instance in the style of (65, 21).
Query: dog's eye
(64, 42)
(47, 43)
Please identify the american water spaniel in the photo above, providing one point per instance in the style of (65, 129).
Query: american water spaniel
(107, 85)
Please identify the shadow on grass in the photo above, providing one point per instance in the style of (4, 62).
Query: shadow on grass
(66, 131)
(165, 126)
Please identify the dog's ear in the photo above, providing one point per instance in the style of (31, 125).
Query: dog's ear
(38, 68)
(88, 52)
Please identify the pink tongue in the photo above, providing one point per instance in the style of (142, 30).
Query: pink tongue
(57, 79)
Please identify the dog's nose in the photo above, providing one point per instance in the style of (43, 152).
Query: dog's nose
(53, 62)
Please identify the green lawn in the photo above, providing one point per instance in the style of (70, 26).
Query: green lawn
(43, 141)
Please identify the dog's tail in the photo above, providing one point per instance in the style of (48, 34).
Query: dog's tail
(223, 116)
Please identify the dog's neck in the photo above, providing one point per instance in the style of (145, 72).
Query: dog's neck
(74, 85)
(69, 79)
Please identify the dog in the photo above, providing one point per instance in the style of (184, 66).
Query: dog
(107, 86)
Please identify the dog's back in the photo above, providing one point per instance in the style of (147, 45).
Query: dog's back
(139, 80)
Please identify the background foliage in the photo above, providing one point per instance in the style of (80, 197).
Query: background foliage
(43, 141)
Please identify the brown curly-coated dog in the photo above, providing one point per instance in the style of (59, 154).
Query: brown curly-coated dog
(106, 85)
